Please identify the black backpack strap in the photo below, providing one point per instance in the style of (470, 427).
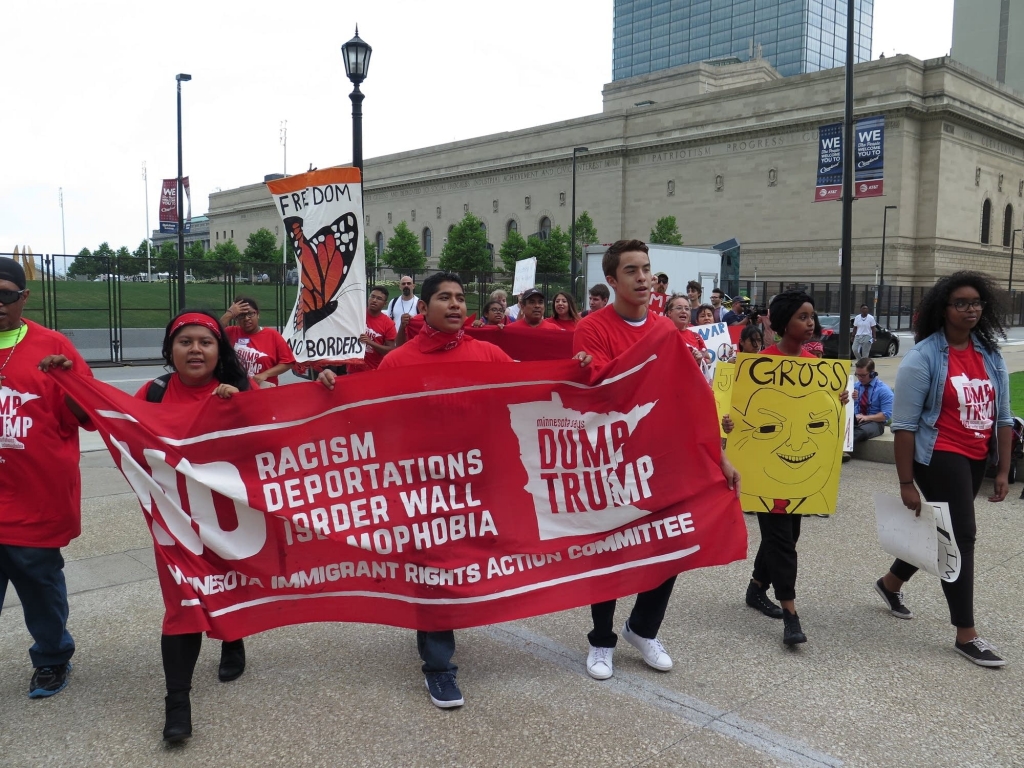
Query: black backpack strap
(157, 388)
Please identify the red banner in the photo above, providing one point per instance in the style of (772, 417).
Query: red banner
(429, 497)
(521, 342)
(169, 205)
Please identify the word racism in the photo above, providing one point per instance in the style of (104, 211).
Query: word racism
(294, 504)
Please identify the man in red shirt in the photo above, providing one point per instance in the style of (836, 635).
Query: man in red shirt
(379, 337)
(659, 294)
(40, 485)
(533, 308)
(604, 335)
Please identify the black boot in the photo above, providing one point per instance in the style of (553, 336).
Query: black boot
(757, 597)
(791, 633)
(232, 660)
(178, 723)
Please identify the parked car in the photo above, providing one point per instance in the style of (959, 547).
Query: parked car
(886, 344)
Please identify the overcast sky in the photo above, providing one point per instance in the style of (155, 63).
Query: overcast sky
(90, 92)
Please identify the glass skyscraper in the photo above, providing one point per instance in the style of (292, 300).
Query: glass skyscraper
(795, 36)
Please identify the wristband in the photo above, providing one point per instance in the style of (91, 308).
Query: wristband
(908, 482)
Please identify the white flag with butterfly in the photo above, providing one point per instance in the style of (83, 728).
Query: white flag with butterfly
(322, 213)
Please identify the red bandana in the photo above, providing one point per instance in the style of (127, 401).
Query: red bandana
(195, 318)
(433, 340)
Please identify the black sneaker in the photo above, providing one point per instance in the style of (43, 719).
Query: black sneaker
(46, 681)
(444, 691)
(980, 652)
(758, 598)
(792, 634)
(894, 601)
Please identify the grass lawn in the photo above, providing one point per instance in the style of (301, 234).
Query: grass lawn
(1017, 393)
(147, 305)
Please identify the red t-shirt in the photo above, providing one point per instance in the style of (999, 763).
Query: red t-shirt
(260, 351)
(694, 340)
(657, 302)
(604, 334)
(40, 484)
(563, 325)
(774, 350)
(967, 417)
(469, 350)
(178, 393)
(382, 330)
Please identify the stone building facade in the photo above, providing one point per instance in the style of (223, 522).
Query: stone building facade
(731, 151)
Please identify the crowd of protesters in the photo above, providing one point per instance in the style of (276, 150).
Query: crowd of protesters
(941, 453)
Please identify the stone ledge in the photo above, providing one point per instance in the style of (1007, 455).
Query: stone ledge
(881, 449)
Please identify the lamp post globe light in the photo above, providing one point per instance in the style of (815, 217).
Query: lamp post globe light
(356, 54)
(572, 224)
(181, 78)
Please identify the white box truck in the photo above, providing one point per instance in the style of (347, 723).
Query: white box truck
(681, 263)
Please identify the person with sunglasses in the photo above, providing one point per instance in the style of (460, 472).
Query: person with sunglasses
(263, 351)
(951, 416)
(40, 484)
(659, 294)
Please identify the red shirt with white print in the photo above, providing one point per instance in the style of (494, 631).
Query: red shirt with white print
(40, 484)
(381, 329)
(260, 351)
(657, 302)
(968, 412)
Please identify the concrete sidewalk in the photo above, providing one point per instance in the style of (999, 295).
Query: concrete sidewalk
(866, 690)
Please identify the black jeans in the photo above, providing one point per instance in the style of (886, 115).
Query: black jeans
(956, 480)
(775, 562)
(645, 620)
(180, 654)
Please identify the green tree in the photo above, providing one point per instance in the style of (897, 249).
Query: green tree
(402, 252)
(370, 249)
(586, 233)
(140, 252)
(466, 248)
(262, 248)
(512, 250)
(84, 265)
(666, 232)
(166, 259)
(552, 254)
(225, 256)
(197, 264)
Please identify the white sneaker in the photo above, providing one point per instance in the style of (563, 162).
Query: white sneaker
(599, 663)
(654, 653)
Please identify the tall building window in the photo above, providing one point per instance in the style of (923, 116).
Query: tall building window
(426, 241)
(380, 243)
(512, 226)
(986, 220)
(1007, 226)
(545, 228)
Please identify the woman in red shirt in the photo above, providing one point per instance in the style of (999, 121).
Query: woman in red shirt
(263, 352)
(951, 415)
(564, 314)
(678, 311)
(793, 318)
(204, 365)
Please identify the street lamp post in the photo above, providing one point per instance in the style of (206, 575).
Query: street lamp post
(1013, 239)
(881, 271)
(572, 224)
(356, 54)
(181, 78)
(846, 264)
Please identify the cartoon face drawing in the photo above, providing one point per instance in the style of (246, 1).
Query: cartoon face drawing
(792, 441)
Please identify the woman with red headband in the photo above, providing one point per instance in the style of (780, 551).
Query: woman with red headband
(204, 365)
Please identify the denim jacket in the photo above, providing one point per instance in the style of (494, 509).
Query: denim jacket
(920, 381)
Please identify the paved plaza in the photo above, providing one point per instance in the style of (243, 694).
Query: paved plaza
(866, 690)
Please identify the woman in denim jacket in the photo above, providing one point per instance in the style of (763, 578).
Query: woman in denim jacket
(950, 416)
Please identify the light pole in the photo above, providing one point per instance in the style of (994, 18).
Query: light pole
(1013, 239)
(849, 157)
(149, 255)
(356, 54)
(572, 225)
(181, 78)
(63, 238)
(881, 271)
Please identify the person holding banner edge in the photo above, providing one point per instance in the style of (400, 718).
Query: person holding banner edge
(442, 341)
(951, 416)
(604, 334)
(775, 564)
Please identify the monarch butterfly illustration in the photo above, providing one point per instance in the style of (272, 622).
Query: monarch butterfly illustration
(325, 259)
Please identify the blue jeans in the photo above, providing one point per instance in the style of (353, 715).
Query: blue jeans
(37, 574)
(436, 649)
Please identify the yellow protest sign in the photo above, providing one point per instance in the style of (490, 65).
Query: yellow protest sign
(787, 440)
(722, 389)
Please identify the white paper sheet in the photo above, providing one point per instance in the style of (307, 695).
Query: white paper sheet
(848, 431)
(525, 277)
(926, 541)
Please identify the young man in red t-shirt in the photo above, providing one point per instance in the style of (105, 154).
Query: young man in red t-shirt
(40, 485)
(379, 337)
(604, 335)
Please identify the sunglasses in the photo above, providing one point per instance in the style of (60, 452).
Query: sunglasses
(9, 297)
(246, 315)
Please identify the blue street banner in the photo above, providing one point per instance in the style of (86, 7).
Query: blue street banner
(869, 135)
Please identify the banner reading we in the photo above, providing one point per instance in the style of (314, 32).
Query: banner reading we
(430, 497)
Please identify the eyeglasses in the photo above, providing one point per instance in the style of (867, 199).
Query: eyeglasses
(9, 297)
(962, 305)
(246, 315)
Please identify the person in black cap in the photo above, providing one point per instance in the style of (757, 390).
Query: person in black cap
(533, 308)
(40, 485)
(738, 314)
